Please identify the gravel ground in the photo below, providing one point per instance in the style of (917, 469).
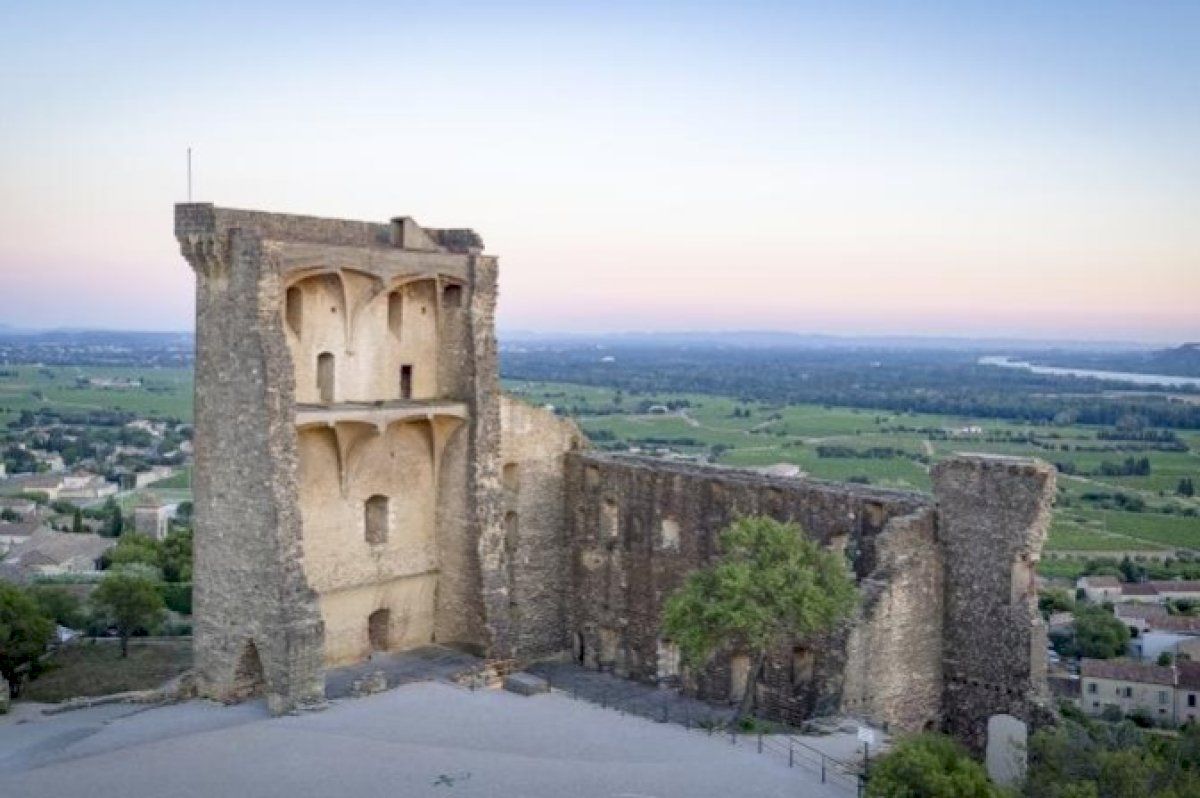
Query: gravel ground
(422, 739)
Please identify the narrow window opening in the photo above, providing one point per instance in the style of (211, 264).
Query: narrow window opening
(325, 377)
(376, 520)
(669, 534)
(379, 629)
(406, 382)
(396, 313)
(452, 296)
(248, 678)
(294, 309)
(580, 651)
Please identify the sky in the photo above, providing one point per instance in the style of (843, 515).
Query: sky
(1024, 169)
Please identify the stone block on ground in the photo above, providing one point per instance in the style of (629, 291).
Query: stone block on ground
(526, 684)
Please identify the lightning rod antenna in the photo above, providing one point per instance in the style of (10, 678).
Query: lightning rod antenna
(189, 167)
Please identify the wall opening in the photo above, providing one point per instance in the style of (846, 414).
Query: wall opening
(376, 520)
(802, 666)
(578, 648)
(511, 529)
(1022, 588)
(396, 313)
(510, 476)
(406, 382)
(325, 376)
(610, 520)
(739, 675)
(452, 296)
(668, 660)
(669, 534)
(248, 677)
(379, 629)
(294, 309)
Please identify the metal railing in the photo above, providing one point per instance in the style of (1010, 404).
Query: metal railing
(664, 709)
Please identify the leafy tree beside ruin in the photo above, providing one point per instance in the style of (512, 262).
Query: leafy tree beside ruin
(770, 585)
(130, 602)
(929, 766)
(24, 633)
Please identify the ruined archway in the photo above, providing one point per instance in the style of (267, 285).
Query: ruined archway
(249, 680)
(379, 630)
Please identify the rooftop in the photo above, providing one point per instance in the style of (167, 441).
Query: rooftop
(1127, 670)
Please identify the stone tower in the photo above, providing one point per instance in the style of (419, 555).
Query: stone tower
(347, 481)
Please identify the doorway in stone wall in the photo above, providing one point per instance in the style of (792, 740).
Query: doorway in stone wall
(379, 629)
(248, 677)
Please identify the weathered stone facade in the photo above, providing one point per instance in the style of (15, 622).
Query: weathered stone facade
(361, 484)
(347, 443)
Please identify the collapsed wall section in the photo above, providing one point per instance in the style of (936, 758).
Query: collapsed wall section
(637, 527)
(534, 443)
(993, 516)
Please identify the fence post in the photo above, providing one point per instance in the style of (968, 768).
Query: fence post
(822, 768)
(604, 699)
(666, 713)
(732, 735)
(791, 752)
(760, 742)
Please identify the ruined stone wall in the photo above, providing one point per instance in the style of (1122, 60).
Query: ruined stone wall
(257, 627)
(638, 526)
(534, 443)
(993, 515)
(894, 653)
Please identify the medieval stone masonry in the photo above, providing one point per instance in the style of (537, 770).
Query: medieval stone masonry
(362, 485)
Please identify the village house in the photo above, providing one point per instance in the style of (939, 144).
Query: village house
(12, 534)
(151, 517)
(20, 506)
(1100, 589)
(1132, 687)
(85, 486)
(49, 553)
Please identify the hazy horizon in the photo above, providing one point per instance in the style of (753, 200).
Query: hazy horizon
(1024, 170)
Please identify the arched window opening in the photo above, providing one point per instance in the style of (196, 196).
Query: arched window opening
(379, 625)
(802, 666)
(510, 476)
(294, 309)
(376, 520)
(669, 534)
(325, 377)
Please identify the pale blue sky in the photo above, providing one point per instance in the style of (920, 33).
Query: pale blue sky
(921, 168)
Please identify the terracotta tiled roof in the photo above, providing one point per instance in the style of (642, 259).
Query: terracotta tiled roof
(1182, 624)
(1144, 611)
(1189, 674)
(1180, 586)
(1101, 581)
(1127, 670)
(1138, 589)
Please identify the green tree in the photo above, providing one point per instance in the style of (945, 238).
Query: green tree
(77, 522)
(129, 602)
(1164, 659)
(24, 633)
(1186, 487)
(771, 584)
(1055, 599)
(134, 548)
(175, 556)
(929, 766)
(1098, 634)
(59, 604)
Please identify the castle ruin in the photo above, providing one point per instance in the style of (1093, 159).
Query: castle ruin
(361, 484)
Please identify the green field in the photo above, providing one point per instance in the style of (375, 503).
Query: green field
(164, 392)
(763, 435)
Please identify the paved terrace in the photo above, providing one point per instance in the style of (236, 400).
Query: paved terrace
(422, 739)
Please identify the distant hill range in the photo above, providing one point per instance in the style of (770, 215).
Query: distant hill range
(767, 339)
(1180, 361)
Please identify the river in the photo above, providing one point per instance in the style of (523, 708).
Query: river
(1007, 362)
